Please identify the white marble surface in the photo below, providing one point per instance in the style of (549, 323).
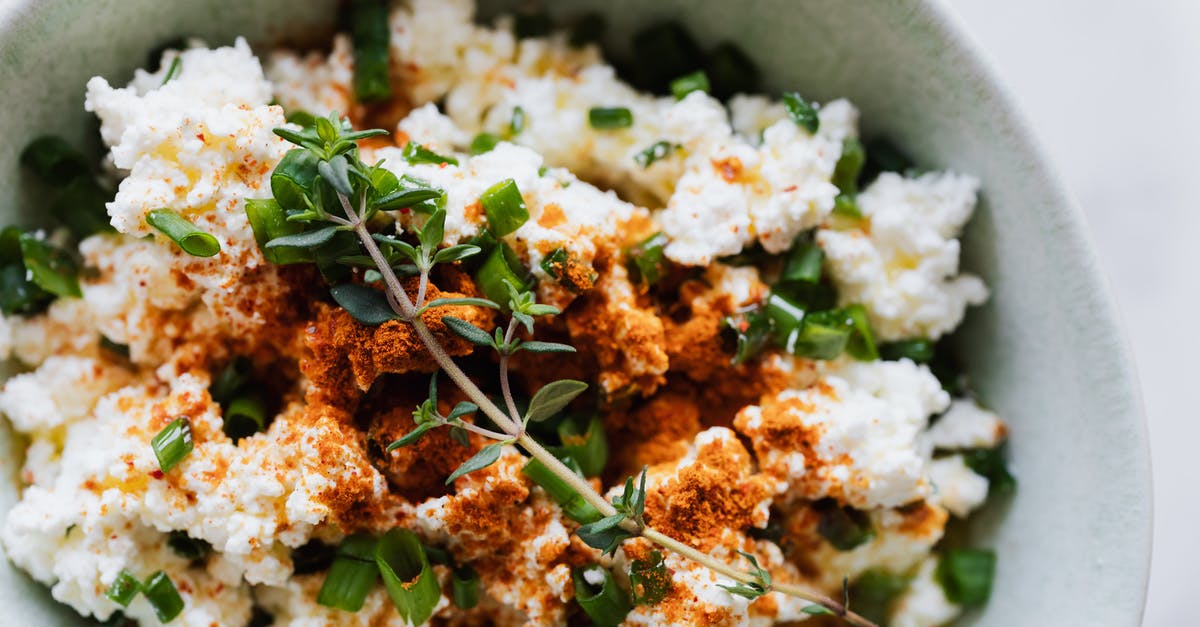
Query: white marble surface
(1113, 90)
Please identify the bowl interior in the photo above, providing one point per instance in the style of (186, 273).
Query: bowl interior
(1045, 352)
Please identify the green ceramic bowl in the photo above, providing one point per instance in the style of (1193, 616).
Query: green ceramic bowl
(1046, 352)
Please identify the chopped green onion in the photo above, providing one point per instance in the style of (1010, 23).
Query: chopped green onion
(989, 463)
(121, 350)
(232, 379)
(483, 142)
(786, 318)
(583, 439)
(655, 152)
(803, 263)
(573, 504)
(648, 260)
(505, 208)
(527, 24)
(173, 443)
(124, 588)
(587, 29)
(874, 591)
(293, 178)
(517, 124)
(415, 153)
(825, 334)
(464, 586)
(245, 416)
(861, 344)
(846, 206)
(752, 329)
(649, 579)
(54, 160)
(371, 35)
(608, 118)
(882, 156)
(174, 70)
(662, 52)
(801, 112)
(688, 83)
(187, 547)
(82, 207)
(844, 527)
(966, 575)
(312, 557)
(352, 574)
(163, 597)
(731, 72)
(502, 265)
(192, 240)
(849, 166)
(269, 222)
(605, 604)
(49, 266)
(407, 575)
(919, 350)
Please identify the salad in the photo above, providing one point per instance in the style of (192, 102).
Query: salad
(456, 323)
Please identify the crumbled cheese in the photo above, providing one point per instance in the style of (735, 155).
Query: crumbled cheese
(956, 487)
(904, 269)
(67, 327)
(314, 83)
(966, 425)
(61, 391)
(861, 423)
(428, 127)
(924, 604)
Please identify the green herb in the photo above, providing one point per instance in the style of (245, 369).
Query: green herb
(571, 502)
(919, 350)
(553, 398)
(756, 588)
(464, 587)
(517, 123)
(427, 416)
(874, 591)
(608, 533)
(817, 610)
(753, 330)
(174, 70)
(49, 266)
(82, 207)
(588, 29)
(187, 547)
(192, 240)
(19, 295)
(163, 597)
(53, 160)
(649, 579)
(609, 118)
(415, 153)
(527, 24)
(989, 463)
(407, 575)
(583, 440)
(173, 443)
(605, 604)
(124, 588)
(483, 142)
(352, 574)
(505, 208)
(269, 223)
(366, 305)
(801, 112)
(232, 379)
(688, 83)
(655, 152)
(484, 458)
(966, 575)
(844, 527)
(245, 416)
(731, 72)
(648, 259)
(371, 35)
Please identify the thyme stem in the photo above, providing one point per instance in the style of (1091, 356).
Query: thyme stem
(505, 388)
(513, 428)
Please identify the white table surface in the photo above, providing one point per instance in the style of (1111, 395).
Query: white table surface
(1113, 90)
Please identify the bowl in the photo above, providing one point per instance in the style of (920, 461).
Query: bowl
(1046, 352)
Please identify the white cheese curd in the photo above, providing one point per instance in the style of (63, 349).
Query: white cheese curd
(956, 487)
(67, 327)
(430, 128)
(904, 269)
(852, 436)
(966, 425)
(61, 391)
(924, 604)
(314, 83)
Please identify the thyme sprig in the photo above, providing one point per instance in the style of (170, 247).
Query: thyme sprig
(324, 190)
